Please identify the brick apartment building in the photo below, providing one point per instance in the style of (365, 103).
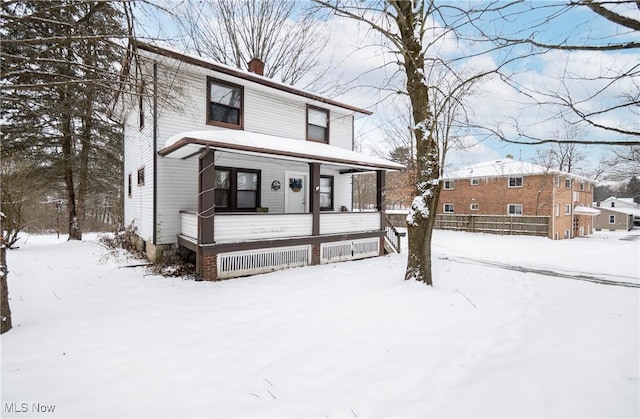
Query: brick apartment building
(508, 187)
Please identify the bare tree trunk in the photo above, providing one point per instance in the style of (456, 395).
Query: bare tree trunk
(5, 310)
(75, 233)
(422, 215)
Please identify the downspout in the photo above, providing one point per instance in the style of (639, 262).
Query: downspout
(155, 153)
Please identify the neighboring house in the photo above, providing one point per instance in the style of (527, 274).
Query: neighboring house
(511, 188)
(616, 214)
(249, 174)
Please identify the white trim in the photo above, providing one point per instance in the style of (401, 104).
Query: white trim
(444, 208)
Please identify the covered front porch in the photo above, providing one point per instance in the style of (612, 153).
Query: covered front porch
(297, 229)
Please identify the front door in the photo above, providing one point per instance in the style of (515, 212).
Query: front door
(296, 192)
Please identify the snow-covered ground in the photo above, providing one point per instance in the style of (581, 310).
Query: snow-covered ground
(512, 328)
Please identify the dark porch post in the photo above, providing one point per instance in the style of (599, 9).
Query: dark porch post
(314, 207)
(381, 184)
(206, 264)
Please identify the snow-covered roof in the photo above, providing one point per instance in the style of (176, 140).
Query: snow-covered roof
(623, 210)
(505, 167)
(625, 202)
(190, 143)
(582, 210)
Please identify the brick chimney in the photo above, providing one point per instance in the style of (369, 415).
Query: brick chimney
(256, 66)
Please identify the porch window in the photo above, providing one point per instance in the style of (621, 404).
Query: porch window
(224, 104)
(448, 208)
(317, 124)
(326, 193)
(514, 209)
(237, 189)
(247, 194)
(223, 188)
(515, 181)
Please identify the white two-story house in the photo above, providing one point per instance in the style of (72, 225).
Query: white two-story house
(249, 174)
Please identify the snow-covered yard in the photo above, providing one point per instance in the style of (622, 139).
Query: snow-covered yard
(512, 328)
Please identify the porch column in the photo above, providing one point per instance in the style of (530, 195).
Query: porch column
(381, 184)
(205, 264)
(314, 196)
(314, 207)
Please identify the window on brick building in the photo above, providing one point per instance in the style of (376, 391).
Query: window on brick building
(449, 209)
(567, 209)
(449, 184)
(515, 181)
(474, 207)
(475, 182)
(514, 209)
(567, 183)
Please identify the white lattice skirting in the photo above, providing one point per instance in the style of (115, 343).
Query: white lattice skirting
(258, 261)
(349, 250)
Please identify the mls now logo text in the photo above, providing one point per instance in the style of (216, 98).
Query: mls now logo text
(29, 408)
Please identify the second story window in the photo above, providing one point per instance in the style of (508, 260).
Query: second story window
(515, 181)
(224, 104)
(449, 184)
(317, 124)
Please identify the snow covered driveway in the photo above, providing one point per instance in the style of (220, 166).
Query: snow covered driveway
(91, 339)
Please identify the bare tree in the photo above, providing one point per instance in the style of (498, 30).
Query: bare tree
(605, 99)
(288, 39)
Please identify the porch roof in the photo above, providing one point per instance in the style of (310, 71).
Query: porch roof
(582, 210)
(190, 143)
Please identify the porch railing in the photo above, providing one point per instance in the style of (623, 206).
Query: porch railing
(230, 228)
(392, 236)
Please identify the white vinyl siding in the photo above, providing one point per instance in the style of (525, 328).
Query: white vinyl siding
(138, 149)
(265, 111)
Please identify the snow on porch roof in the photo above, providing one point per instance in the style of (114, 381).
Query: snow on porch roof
(187, 144)
(582, 210)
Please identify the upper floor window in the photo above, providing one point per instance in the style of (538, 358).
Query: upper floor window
(582, 186)
(225, 102)
(448, 208)
(141, 176)
(237, 189)
(326, 193)
(449, 184)
(475, 182)
(317, 124)
(474, 207)
(515, 181)
(129, 188)
(567, 183)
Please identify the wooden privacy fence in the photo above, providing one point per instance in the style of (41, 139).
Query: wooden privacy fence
(496, 224)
